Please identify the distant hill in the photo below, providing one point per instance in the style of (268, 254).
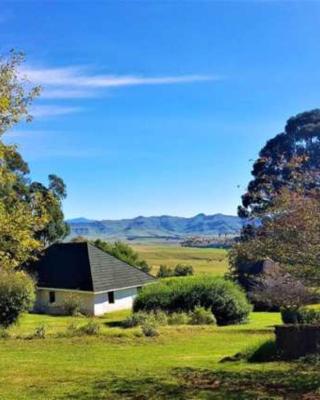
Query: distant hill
(162, 227)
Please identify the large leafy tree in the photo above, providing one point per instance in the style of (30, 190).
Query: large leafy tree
(289, 160)
(289, 234)
(51, 197)
(30, 213)
(16, 92)
(56, 228)
(19, 219)
(282, 204)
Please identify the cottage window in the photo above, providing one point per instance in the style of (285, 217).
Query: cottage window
(111, 297)
(52, 297)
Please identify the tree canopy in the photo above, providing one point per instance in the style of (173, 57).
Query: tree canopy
(16, 92)
(123, 252)
(287, 234)
(30, 213)
(19, 219)
(52, 196)
(290, 160)
(282, 204)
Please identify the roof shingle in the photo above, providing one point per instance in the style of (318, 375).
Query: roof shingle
(82, 266)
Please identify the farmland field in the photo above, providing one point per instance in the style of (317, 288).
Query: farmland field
(203, 260)
(182, 363)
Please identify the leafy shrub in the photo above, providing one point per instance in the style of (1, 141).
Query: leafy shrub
(71, 306)
(149, 330)
(312, 359)
(91, 328)
(165, 272)
(224, 298)
(160, 317)
(4, 334)
(201, 316)
(157, 317)
(309, 316)
(178, 270)
(17, 294)
(183, 270)
(39, 332)
(72, 329)
(178, 318)
(135, 319)
(301, 316)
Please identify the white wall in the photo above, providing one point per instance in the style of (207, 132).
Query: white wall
(123, 299)
(43, 304)
(91, 304)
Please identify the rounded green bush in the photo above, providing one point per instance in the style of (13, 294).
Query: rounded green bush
(17, 294)
(225, 299)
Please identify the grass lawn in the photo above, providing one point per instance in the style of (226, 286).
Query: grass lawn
(212, 261)
(182, 363)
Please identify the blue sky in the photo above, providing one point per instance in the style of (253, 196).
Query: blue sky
(159, 107)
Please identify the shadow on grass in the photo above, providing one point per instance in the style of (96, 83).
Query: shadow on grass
(114, 324)
(295, 384)
(300, 382)
(148, 388)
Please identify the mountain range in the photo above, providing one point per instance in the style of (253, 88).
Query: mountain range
(158, 227)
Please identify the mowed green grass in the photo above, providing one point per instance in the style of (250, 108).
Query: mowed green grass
(182, 363)
(210, 261)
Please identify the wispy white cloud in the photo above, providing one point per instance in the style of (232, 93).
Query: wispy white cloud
(18, 134)
(74, 82)
(52, 110)
(76, 77)
(65, 93)
(31, 133)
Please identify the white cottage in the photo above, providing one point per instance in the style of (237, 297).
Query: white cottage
(98, 281)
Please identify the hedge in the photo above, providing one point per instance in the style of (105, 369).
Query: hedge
(302, 316)
(226, 300)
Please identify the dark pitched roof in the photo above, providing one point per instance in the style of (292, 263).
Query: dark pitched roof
(82, 266)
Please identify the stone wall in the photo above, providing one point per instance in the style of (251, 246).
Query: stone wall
(294, 341)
